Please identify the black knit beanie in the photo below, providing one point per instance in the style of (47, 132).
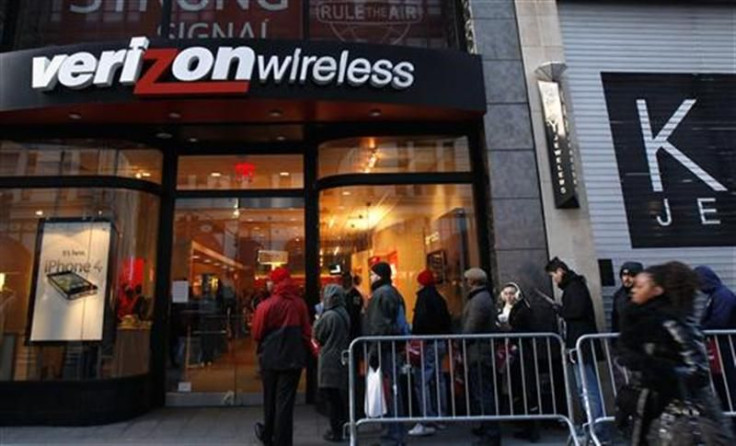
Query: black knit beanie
(383, 270)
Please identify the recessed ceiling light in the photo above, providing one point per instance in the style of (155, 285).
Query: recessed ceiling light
(281, 138)
(250, 220)
(284, 174)
(164, 135)
(375, 113)
(138, 175)
(346, 192)
(146, 174)
(174, 115)
(256, 228)
(39, 213)
(275, 113)
(215, 174)
(75, 116)
(193, 140)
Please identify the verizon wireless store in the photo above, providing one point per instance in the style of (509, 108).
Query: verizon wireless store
(159, 159)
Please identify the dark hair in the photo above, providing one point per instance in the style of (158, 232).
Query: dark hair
(554, 264)
(679, 282)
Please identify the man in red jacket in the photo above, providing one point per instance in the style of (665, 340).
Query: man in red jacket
(281, 329)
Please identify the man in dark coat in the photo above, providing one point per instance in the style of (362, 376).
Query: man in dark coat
(331, 332)
(720, 314)
(385, 310)
(281, 329)
(479, 317)
(353, 303)
(579, 316)
(622, 296)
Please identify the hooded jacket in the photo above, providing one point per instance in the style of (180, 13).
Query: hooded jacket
(383, 311)
(332, 332)
(281, 329)
(720, 311)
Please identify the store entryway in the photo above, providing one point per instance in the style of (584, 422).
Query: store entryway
(223, 250)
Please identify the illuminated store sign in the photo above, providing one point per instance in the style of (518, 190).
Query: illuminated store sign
(673, 137)
(200, 70)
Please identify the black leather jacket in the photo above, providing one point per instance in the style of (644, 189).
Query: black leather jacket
(666, 353)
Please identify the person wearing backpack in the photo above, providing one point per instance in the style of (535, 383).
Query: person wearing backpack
(385, 316)
(431, 317)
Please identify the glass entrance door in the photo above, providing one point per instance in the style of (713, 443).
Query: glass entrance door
(223, 250)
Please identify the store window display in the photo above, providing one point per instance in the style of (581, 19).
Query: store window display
(410, 227)
(77, 267)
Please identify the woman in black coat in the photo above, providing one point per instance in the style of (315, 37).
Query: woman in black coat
(664, 350)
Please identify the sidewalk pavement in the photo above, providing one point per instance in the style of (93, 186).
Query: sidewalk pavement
(225, 426)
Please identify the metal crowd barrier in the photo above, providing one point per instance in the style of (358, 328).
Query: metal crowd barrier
(524, 373)
(609, 376)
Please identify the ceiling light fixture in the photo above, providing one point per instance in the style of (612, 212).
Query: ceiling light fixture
(284, 174)
(281, 138)
(164, 135)
(39, 213)
(174, 115)
(75, 116)
(275, 113)
(346, 192)
(375, 113)
(215, 174)
(193, 140)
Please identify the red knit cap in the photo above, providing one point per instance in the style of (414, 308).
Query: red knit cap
(279, 274)
(426, 278)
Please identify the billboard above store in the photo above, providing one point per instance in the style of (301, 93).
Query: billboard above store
(674, 140)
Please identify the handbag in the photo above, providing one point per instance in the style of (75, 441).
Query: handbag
(375, 399)
(685, 423)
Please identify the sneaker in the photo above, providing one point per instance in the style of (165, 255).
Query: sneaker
(420, 430)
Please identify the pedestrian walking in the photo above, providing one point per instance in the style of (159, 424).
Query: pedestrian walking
(479, 317)
(665, 352)
(579, 317)
(720, 314)
(431, 317)
(281, 329)
(331, 332)
(622, 296)
(384, 315)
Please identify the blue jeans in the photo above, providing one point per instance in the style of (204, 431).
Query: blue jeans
(593, 394)
(428, 381)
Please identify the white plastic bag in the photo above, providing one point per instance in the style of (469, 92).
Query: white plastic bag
(375, 400)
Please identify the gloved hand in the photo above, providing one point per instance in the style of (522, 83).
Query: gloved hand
(373, 361)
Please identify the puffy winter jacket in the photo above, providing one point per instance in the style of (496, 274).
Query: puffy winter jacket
(281, 329)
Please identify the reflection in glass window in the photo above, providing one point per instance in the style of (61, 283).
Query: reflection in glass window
(128, 304)
(240, 172)
(255, 19)
(394, 155)
(44, 22)
(417, 23)
(79, 157)
(412, 227)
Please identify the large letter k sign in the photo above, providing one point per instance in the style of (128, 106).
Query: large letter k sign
(653, 144)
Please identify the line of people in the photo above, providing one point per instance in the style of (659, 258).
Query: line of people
(653, 310)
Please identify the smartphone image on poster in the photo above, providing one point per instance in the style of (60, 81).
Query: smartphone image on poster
(71, 285)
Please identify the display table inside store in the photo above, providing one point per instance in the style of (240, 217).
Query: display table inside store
(132, 351)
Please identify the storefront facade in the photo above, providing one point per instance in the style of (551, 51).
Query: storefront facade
(648, 89)
(149, 183)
